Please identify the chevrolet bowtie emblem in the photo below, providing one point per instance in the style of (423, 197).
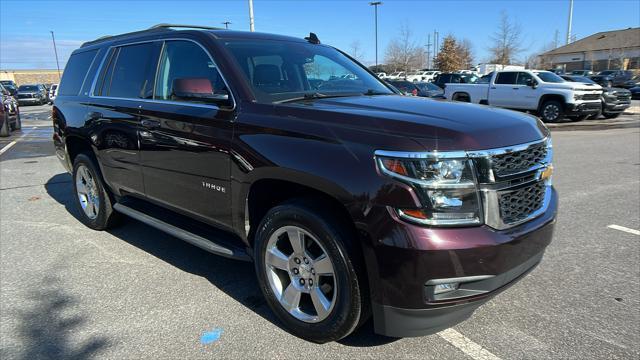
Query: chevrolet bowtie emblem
(546, 173)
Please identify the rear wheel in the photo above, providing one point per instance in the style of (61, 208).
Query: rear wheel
(306, 273)
(551, 111)
(92, 197)
(461, 98)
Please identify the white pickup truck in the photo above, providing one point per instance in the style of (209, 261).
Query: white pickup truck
(543, 92)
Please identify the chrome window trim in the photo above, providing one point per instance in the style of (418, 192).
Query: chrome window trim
(163, 40)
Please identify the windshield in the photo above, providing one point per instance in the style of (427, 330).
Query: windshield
(427, 86)
(286, 70)
(607, 72)
(549, 77)
(28, 88)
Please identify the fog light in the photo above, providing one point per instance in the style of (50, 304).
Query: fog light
(443, 288)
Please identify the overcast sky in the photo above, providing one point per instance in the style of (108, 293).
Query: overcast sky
(25, 41)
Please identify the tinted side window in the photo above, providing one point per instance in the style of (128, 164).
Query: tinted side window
(75, 72)
(186, 73)
(127, 75)
(506, 78)
(523, 77)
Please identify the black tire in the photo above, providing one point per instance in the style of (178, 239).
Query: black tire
(351, 306)
(551, 111)
(611, 115)
(461, 97)
(106, 216)
(18, 125)
(5, 129)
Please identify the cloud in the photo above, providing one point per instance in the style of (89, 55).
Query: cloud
(34, 53)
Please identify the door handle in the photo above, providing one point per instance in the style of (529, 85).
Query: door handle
(515, 88)
(150, 124)
(493, 88)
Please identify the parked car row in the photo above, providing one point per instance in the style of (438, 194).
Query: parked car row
(31, 94)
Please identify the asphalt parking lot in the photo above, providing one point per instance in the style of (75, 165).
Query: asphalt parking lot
(134, 292)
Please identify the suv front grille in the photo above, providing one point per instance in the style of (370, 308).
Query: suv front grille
(519, 161)
(624, 97)
(518, 205)
(591, 97)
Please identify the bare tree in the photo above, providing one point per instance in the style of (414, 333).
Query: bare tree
(402, 53)
(355, 50)
(537, 59)
(464, 48)
(507, 42)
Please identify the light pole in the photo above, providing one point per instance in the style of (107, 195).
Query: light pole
(251, 27)
(375, 6)
(226, 24)
(55, 50)
(569, 23)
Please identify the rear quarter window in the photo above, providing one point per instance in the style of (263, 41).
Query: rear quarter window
(75, 72)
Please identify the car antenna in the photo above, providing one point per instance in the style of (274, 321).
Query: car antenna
(312, 38)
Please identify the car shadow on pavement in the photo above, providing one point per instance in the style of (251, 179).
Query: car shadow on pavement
(48, 327)
(236, 278)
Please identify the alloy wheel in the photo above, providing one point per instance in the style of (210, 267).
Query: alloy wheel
(87, 191)
(301, 274)
(551, 112)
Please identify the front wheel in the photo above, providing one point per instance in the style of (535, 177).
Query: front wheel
(306, 273)
(92, 197)
(551, 111)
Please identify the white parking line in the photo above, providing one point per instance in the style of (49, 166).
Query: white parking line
(466, 345)
(625, 229)
(7, 147)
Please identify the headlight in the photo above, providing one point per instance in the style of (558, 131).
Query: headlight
(444, 182)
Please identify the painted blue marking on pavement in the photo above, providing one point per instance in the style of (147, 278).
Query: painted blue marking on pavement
(210, 336)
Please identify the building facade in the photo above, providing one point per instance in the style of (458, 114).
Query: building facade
(609, 50)
(24, 77)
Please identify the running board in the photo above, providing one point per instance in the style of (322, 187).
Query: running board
(182, 234)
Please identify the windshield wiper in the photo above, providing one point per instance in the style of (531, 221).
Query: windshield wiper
(314, 95)
(373, 92)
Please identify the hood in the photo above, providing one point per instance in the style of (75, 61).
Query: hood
(577, 86)
(436, 125)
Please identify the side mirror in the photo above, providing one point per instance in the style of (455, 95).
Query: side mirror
(198, 90)
(532, 83)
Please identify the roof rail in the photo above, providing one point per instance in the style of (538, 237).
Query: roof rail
(154, 28)
(165, 26)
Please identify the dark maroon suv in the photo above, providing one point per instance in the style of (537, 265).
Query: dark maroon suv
(351, 200)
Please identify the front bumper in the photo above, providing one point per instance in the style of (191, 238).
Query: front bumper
(616, 107)
(584, 108)
(409, 257)
(29, 101)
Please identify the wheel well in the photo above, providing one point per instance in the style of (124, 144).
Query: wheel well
(545, 98)
(461, 95)
(267, 193)
(76, 145)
